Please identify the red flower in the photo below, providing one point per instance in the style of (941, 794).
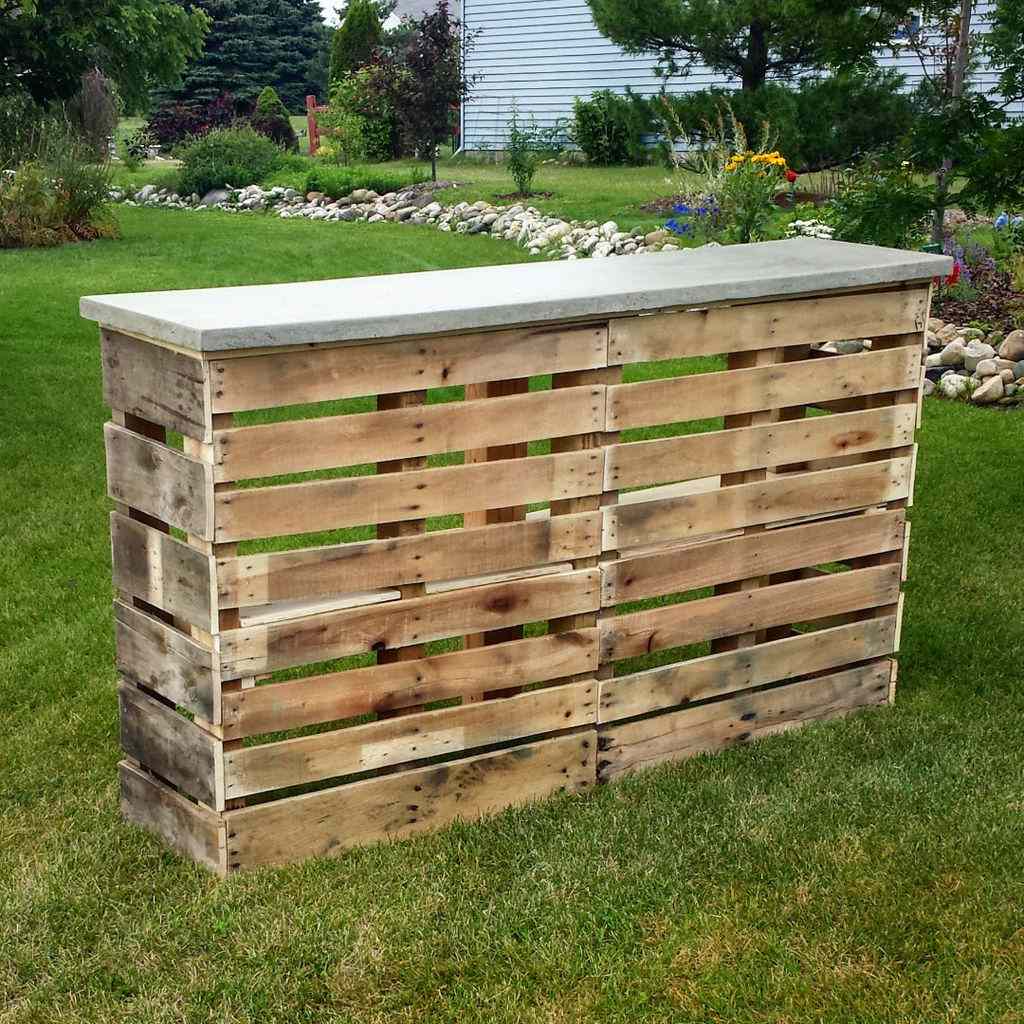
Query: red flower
(791, 177)
(954, 276)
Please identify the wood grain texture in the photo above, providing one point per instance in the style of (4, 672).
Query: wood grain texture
(159, 481)
(800, 321)
(320, 374)
(699, 679)
(771, 444)
(734, 392)
(297, 446)
(638, 633)
(156, 384)
(396, 741)
(164, 572)
(275, 707)
(315, 638)
(397, 806)
(678, 570)
(167, 661)
(776, 499)
(632, 746)
(395, 497)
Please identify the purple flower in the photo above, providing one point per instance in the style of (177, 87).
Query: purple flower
(1001, 221)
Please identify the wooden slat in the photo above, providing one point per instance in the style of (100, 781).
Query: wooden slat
(167, 661)
(163, 571)
(699, 679)
(397, 806)
(401, 623)
(322, 374)
(730, 451)
(733, 392)
(171, 745)
(442, 555)
(353, 501)
(395, 741)
(156, 384)
(638, 633)
(276, 707)
(722, 329)
(725, 561)
(193, 831)
(297, 446)
(159, 481)
(778, 498)
(641, 744)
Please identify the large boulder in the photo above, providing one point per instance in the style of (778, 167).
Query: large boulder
(989, 392)
(1013, 347)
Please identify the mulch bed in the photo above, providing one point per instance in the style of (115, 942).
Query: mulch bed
(997, 305)
(525, 195)
(667, 204)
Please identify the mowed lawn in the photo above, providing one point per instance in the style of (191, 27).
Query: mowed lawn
(870, 870)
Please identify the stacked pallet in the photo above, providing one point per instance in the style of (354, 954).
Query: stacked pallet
(393, 577)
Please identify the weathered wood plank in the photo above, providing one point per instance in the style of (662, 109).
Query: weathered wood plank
(394, 497)
(163, 571)
(275, 707)
(156, 384)
(396, 741)
(193, 831)
(315, 638)
(721, 329)
(159, 481)
(322, 374)
(637, 633)
(172, 746)
(167, 661)
(771, 444)
(397, 806)
(297, 446)
(738, 558)
(778, 498)
(733, 392)
(633, 746)
(687, 682)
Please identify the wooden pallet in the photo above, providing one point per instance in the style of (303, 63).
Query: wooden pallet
(459, 622)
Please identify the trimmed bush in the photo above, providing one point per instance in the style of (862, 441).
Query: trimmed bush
(341, 181)
(270, 118)
(176, 122)
(229, 156)
(610, 128)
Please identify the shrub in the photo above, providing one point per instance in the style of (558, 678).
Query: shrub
(270, 118)
(341, 181)
(135, 148)
(228, 156)
(610, 128)
(355, 39)
(94, 112)
(342, 137)
(366, 93)
(176, 122)
(527, 147)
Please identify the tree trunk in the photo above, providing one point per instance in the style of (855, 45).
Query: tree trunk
(957, 82)
(754, 70)
(433, 161)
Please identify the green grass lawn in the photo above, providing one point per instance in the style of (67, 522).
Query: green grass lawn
(870, 870)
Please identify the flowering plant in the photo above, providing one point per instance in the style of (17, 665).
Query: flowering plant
(810, 229)
(752, 180)
(698, 219)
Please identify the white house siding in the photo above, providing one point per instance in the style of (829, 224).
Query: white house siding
(542, 54)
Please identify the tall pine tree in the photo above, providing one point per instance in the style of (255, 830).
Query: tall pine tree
(356, 38)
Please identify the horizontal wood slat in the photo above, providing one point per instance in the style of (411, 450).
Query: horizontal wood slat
(297, 446)
(401, 805)
(397, 497)
(758, 447)
(776, 499)
(160, 481)
(630, 746)
(395, 741)
(733, 392)
(721, 329)
(402, 623)
(156, 384)
(164, 572)
(747, 611)
(167, 661)
(678, 570)
(442, 555)
(275, 707)
(699, 679)
(170, 745)
(349, 371)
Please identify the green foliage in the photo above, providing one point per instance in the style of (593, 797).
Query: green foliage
(342, 136)
(750, 39)
(609, 128)
(270, 118)
(134, 148)
(342, 181)
(230, 156)
(367, 94)
(524, 153)
(355, 39)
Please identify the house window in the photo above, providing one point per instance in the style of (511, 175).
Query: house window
(910, 28)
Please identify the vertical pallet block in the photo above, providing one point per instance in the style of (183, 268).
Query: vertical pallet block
(387, 581)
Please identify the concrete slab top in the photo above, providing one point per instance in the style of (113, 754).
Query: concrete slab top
(482, 298)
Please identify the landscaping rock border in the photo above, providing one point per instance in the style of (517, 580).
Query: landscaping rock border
(967, 363)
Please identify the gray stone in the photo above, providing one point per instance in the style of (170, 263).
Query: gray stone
(1013, 347)
(953, 353)
(928, 387)
(935, 324)
(1011, 390)
(656, 237)
(933, 360)
(954, 385)
(986, 368)
(972, 334)
(977, 352)
(988, 392)
(932, 342)
(215, 196)
(1018, 370)
(947, 333)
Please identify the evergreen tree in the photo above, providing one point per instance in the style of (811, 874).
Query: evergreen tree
(356, 38)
